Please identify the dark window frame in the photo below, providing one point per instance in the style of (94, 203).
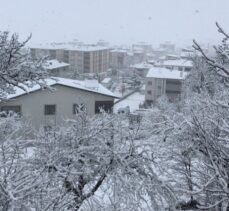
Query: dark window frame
(149, 92)
(7, 111)
(81, 107)
(49, 112)
(107, 105)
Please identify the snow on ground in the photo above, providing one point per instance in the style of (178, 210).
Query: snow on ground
(132, 101)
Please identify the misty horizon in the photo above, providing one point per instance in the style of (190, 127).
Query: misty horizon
(117, 22)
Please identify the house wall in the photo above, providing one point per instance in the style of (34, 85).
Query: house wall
(173, 89)
(156, 87)
(32, 105)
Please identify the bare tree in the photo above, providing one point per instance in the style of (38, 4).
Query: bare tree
(97, 162)
(201, 123)
(16, 67)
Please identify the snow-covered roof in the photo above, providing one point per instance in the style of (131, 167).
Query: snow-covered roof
(142, 66)
(178, 63)
(133, 101)
(151, 61)
(138, 51)
(106, 80)
(71, 47)
(159, 72)
(53, 64)
(87, 85)
(118, 51)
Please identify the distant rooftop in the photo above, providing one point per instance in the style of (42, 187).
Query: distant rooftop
(159, 72)
(142, 66)
(70, 47)
(178, 63)
(119, 51)
(106, 80)
(53, 64)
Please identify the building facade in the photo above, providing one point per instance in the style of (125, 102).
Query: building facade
(162, 81)
(66, 99)
(146, 47)
(119, 59)
(83, 59)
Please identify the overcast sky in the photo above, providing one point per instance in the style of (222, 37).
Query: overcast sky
(116, 21)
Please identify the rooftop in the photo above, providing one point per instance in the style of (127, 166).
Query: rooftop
(178, 63)
(87, 85)
(53, 64)
(119, 51)
(70, 47)
(106, 80)
(142, 66)
(159, 72)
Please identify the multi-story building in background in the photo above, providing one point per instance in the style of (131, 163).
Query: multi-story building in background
(167, 47)
(145, 47)
(83, 59)
(141, 69)
(162, 81)
(119, 58)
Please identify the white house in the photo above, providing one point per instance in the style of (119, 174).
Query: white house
(163, 81)
(57, 68)
(65, 98)
(141, 69)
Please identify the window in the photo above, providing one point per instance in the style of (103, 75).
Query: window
(47, 128)
(77, 108)
(66, 56)
(173, 92)
(11, 109)
(87, 62)
(50, 109)
(149, 92)
(187, 69)
(150, 83)
(103, 106)
(52, 54)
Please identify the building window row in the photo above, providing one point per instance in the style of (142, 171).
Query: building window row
(76, 108)
(8, 110)
(48, 109)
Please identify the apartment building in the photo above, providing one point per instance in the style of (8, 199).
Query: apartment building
(167, 47)
(119, 58)
(83, 59)
(162, 81)
(145, 47)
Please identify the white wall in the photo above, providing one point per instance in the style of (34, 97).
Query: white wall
(32, 105)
